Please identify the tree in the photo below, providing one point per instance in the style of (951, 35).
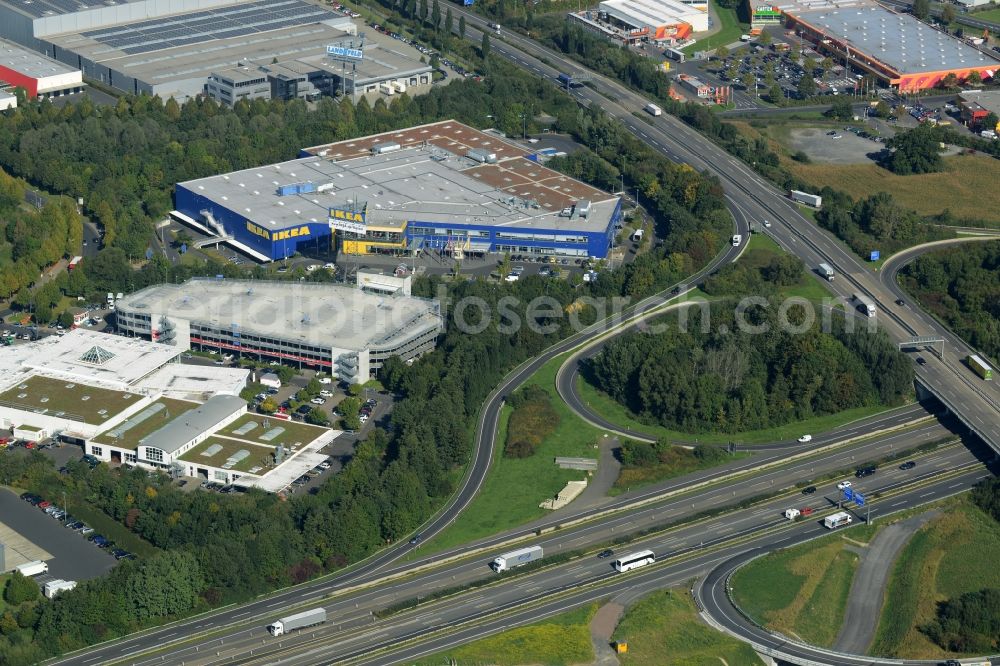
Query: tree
(915, 151)
(268, 406)
(807, 87)
(947, 13)
(20, 589)
(974, 78)
(809, 67)
(722, 53)
(461, 26)
(424, 12)
(66, 319)
(882, 109)
(436, 16)
(449, 23)
(921, 9)
(991, 121)
(749, 82)
(484, 47)
(841, 108)
(775, 94)
(950, 80)
(317, 417)
(764, 38)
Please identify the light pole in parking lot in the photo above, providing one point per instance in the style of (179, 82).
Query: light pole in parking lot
(65, 505)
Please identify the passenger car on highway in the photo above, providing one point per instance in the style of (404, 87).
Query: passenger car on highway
(805, 438)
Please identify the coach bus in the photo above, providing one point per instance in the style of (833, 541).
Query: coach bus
(980, 367)
(634, 561)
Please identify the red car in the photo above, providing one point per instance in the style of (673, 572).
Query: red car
(44, 504)
(807, 512)
(29, 445)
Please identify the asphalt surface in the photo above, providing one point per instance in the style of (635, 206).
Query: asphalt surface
(74, 558)
(354, 634)
(864, 603)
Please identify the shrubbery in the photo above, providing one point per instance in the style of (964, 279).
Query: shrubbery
(532, 421)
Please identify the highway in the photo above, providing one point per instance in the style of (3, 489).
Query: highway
(751, 200)
(353, 635)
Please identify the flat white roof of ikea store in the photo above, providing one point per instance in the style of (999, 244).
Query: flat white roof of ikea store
(429, 179)
(321, 315)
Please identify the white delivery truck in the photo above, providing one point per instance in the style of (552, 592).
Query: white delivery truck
(653, 110)
(32, 568)
(54, 587)
(836, 520)
(516, 558)
(826, 270)
(309, 618)
(792, 514)
(737, 239)
(865, 304)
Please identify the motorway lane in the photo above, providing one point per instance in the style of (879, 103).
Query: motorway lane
(752, 197)
(354, 607)
(678, 547)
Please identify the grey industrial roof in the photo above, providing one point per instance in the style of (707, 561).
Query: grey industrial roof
(900, 41)
(320, 315)
(987, 99)
(239, 20)
(40, 8)
(414, 184)
(176, 64)
(193, 423)
(30, 63)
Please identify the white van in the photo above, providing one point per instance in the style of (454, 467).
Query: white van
(737, 239)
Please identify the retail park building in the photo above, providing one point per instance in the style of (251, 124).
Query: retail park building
(897, 49)
(128, 401)
(439, 187)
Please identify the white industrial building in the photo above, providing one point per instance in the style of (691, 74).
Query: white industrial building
(339, 329)
(7, 101)
(660, 19)
(38, 75)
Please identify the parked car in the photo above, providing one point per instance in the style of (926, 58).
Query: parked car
(44, 504)
(119, 553)
(86, 529)
(318, 401)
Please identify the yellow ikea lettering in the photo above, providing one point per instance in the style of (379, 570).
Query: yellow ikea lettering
(347, 215)
(258, 231)
(290, 233)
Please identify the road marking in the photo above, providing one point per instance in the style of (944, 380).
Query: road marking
(242, 614)
(926, 494)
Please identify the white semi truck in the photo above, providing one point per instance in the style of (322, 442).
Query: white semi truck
(653, 110)
(34, 568)
(813, 200)
(826, 270)
(516, 558)
(309, 618)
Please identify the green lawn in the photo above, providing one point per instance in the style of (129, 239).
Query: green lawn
(161, 412)
(45, 395)
(802, 591)
(292, 433)
(730, 32)
(514, 487)
(613, 411)
(761, 249)
(225, 448)
(664, 628)
(560, 640)
(936, 565)
(989, 15)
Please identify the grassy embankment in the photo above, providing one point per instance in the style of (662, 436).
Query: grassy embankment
(514, 487)
(802, 591)
(949, 556)
(560, 640)
(664, 628)
(728, 34)
(965, 186)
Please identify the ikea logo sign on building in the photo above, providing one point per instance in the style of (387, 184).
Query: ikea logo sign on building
(284, 234)
(347, 215)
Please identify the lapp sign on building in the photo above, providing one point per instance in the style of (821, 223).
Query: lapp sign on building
(352, 221)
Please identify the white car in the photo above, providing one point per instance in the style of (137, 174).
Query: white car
(363, 418)
(330, 267)
(318, 401)
(805, 438)
(843, 485)
(325, 465)
(324, 380)
(767, 223)
(326, 393)
(512, 277)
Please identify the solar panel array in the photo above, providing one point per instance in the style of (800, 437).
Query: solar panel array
(204, 26)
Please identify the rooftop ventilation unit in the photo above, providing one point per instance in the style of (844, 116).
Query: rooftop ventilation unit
(386, 147)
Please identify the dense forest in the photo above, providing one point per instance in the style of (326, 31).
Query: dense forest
(219, 549)
(718, 378)
(961, 287)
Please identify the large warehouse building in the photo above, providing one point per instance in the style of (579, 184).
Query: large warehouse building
(897, 49)
(342, 330)
(443, 186)
(171, 47)
(38, 75)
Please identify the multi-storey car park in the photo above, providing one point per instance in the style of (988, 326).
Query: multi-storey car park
(342, 330)
(443, 187)
(897, 49)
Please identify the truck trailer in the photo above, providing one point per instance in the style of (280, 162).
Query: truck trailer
(32, 568)
(865, 304)
(813, 200)
(653, 110)
(836, 520)
(516, 558)
(826, 270)
(309, 618)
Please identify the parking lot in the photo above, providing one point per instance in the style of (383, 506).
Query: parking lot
(73, 557)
